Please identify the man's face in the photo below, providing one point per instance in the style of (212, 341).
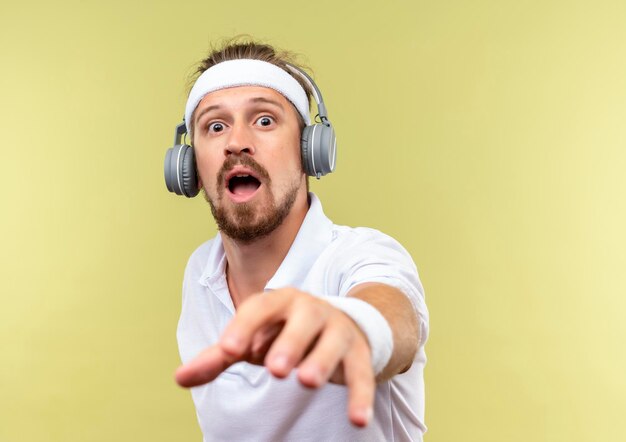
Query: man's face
(247, 146)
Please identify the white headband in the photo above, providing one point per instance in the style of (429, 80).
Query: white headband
(247, 72)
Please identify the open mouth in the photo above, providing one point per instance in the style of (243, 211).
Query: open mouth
(243, 185)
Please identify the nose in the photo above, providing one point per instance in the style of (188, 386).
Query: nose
(240, 140)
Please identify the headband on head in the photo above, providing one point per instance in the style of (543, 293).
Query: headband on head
(246, 72)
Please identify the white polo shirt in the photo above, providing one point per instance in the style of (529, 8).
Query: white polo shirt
(246, 403)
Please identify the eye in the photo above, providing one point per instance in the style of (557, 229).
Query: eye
(265, 121)
(216, 127)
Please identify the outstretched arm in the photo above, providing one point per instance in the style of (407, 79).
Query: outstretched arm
(401, 317)
(288, 328)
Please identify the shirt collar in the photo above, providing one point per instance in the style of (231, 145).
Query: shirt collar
(314, 235)
(214, 275)
(215, 263)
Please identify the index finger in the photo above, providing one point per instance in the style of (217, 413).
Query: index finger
(204, 368)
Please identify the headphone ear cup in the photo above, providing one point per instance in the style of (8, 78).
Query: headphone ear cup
(188, 173)
(307, 160)
(180, 171)
(170, 169)
(319, 149)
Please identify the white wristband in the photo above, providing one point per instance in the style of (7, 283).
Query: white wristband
(372, 323)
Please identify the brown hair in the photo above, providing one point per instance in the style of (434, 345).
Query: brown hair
(244, 47)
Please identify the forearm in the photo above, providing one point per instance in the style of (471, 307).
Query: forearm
(397, 309)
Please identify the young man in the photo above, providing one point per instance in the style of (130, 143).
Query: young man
(288, 320)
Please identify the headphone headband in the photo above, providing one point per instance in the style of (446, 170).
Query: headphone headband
(317, 94)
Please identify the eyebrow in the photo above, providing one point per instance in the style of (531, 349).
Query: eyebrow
(204, 111)
(267, 100)
(252, 100)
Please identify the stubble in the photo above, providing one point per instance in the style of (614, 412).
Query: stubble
(247, 221)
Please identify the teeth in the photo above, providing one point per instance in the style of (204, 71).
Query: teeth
(241, 176)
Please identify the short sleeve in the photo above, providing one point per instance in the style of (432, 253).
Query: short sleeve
(367, 255)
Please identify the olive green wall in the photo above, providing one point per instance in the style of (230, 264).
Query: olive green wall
(487, 136)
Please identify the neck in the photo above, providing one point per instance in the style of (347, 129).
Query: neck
(251, 265)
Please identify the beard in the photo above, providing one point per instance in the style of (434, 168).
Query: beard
(247, 222)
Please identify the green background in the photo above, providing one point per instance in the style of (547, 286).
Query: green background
(487, 136)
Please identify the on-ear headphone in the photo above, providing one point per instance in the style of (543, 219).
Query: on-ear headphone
(318, 146)
(181, 175)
